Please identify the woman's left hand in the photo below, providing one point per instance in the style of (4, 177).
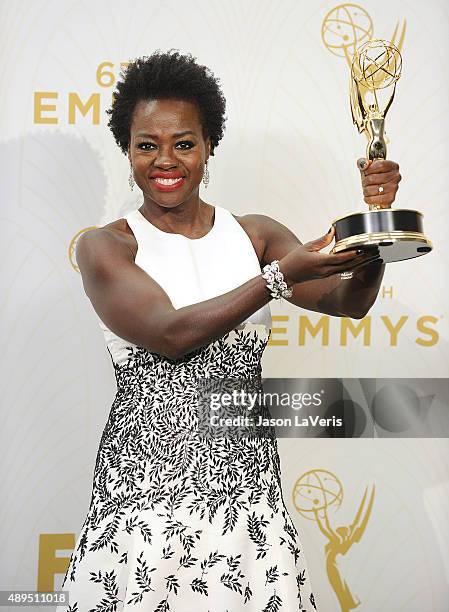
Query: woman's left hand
(380, 181)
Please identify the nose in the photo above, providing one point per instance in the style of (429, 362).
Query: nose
(165, 158)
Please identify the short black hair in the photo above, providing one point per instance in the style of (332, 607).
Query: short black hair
(162, 76)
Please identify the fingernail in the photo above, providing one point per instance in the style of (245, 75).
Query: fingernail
(362, 164)
(330, 229)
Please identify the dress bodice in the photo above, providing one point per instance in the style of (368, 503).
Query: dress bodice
(193, 270)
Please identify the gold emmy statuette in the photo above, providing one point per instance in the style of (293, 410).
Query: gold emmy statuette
(398, 233)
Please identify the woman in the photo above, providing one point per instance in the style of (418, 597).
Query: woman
(179, 521)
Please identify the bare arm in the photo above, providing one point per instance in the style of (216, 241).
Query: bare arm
(330, 295)
(135, 307)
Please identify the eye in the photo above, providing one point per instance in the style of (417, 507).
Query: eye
(189, 143)
(142, 144)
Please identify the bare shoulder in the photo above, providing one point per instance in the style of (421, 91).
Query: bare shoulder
(261, 225)
(101, 249)
(254, 222)
(257, 228)
(121, 230)
(263, 230)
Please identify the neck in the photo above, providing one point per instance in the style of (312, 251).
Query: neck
(190, 216)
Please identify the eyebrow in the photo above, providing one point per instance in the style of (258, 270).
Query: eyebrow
(177, 135)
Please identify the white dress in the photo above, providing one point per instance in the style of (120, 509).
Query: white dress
(178, 522)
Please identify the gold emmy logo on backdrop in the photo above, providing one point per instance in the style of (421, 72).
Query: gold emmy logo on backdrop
(72, 247)
(344, 28)
(313, 494)
(376, 66)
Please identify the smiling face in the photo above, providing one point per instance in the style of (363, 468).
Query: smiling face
(167, 150)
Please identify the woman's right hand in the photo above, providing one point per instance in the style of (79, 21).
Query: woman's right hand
(305, 262)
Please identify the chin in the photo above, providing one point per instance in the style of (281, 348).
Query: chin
(163, 201)
(169, 200)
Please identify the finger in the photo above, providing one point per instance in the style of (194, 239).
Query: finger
(382, 200)
(349, 258)
(358, 264)
(379, 262)
(334, 259)
(322, 241)
(381, 166)
(373, 260)
(380, 178)
(359, 260)
(353, 266)
(387, 188)
(351, 254)
(376, 262)
(363, 164)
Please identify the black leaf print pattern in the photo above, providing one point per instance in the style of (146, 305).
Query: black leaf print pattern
(82, 547)
(145, 531)
(172, 583)
(108, 533)
(232, 581)
(274, 604)
(301, 578)
(109, 581)
(248, 593)
(257, 535)
(233, 562)
(170, 509)
(143, 576)
(124, 558)
(231, 515)
(271, 574)
(187, 561)
(273, 498)
(200, 586)
(213, 559)
(167, 552)
(294, 550)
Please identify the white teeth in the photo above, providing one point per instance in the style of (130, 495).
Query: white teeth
(167, 181)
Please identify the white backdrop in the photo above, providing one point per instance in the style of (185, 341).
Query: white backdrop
(290, 152)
